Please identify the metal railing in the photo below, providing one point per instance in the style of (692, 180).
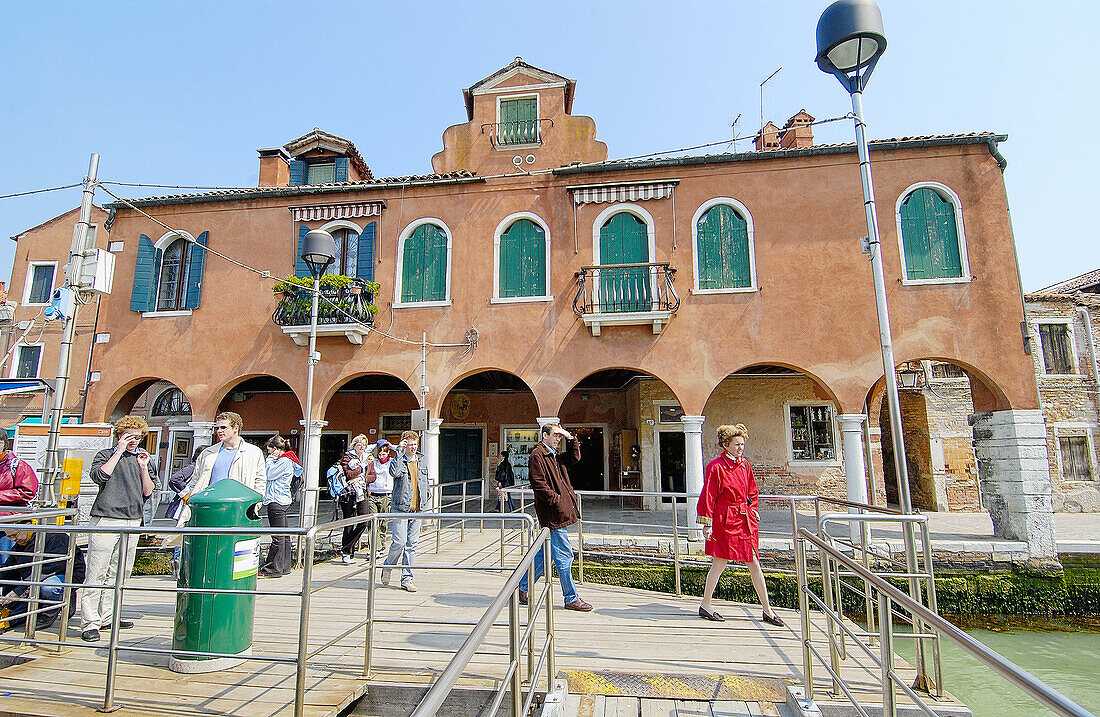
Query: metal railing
(626, 288)
(355, 300)
(305, 592)
(520, 132)
(893, 604)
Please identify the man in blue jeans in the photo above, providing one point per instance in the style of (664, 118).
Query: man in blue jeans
(556, 507)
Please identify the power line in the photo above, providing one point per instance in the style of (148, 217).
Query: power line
(40, 191)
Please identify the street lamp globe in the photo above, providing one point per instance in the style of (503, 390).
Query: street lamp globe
(318, 251)
(850, 40)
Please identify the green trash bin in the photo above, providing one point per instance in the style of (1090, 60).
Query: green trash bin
(208, 622)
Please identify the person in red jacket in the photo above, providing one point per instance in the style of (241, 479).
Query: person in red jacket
(18, 482)
(729, 509)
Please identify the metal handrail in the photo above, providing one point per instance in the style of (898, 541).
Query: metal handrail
(890, 595)
(626, 288)
(442, 687)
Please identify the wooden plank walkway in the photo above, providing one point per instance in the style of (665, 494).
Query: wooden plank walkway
(629, 631)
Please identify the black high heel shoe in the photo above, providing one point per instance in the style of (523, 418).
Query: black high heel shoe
(773, 620)
(708, 615)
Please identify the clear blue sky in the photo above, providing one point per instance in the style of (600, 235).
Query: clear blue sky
(185, 92)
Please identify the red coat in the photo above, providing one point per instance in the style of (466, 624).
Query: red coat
(730, 500)
(18, 486)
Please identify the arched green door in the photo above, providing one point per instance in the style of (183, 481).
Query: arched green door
(623, 240)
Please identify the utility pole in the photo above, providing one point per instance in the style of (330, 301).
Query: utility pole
(79, 249)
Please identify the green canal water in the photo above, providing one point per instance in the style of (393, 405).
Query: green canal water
(1065, 656)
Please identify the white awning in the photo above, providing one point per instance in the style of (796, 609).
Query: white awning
(622, 192)
(325, 212)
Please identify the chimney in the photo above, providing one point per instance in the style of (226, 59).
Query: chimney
(274, 167)
(767, 138)
(798, 132)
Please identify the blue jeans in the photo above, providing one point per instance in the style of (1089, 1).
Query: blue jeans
(562, 555)
(49, 593)
(404, 535)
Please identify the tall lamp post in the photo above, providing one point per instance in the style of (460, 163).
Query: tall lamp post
(318, 252)
(850, 41)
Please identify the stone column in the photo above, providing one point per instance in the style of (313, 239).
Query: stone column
(546, 421)
(429, 446)
(1014, 474)
(313, 471)
(693, 469)
(204, 432)
(855, 469)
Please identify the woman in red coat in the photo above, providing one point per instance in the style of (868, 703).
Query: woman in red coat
(729, 509)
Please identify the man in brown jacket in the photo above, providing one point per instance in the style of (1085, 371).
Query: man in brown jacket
(556, 506)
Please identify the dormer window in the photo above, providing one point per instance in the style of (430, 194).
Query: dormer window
(321, 172)
(519, 121)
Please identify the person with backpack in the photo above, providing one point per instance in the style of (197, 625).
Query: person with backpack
(353, 501)
(278, 497)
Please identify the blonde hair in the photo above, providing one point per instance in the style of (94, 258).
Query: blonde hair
(129, 423)
(234, 419)
(727, 433)
(361, 438)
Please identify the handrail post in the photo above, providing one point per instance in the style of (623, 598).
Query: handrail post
(676, 548)
(551, 661)
(34, 595)
(462, 521)
(513, 652)
(481, 505)
(116, 613)
(368, 646)
(827, 591)
(67, 593)
(580, 541)
(439, 521)
(804, 613)
(303, 625)
(933, 605)
(501, 502)
(886, 647)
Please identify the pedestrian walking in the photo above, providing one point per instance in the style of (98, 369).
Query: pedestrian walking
(124, 475)
(556, 507)
(409, 471)
(353, 501)
(381, 491)
(231, 457)
(505, 477)
(281, 471)
(729, 509)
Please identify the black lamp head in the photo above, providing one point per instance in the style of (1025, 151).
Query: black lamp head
(318, 251)
(850, 41)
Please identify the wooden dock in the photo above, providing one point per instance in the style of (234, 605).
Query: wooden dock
(630, 632)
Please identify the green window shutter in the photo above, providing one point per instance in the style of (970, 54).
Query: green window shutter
(297, 173)
(528, 120)
(930, 237)
(195, 270)
(301, 268)
(341, 172)
(146, 274)
(424, 265)
(522, 260)
(723, 245)
(364, 261)
(624, 240)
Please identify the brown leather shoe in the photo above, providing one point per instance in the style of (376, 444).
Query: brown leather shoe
(773, 619)
(578, 605)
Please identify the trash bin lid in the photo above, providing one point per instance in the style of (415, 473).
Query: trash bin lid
(224, 503)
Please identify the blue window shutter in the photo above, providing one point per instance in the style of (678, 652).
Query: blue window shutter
(301, 268)
(143, 294)
(364, 261)
(341, 169)
(297, 173)
(196, 269)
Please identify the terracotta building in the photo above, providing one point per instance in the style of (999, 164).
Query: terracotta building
(31, 343)
(642, 303)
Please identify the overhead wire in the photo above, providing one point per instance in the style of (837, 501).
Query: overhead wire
(41, 191)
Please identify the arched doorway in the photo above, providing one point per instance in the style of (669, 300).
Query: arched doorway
(167, 410)
(484, 413)
(267, 406)
(794, 430)
(628, 422)
(377, 405)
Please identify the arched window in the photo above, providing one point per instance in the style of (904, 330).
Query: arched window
(723, 248)
(930, 228)
(173, 277)
(168, 274)
(624, 240)
(521, 260)
(424, 264)
(354, 250)
(171, 403)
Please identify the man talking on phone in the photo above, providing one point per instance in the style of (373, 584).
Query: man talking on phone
(125, 476)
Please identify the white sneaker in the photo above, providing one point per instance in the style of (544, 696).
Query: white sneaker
(347, 560)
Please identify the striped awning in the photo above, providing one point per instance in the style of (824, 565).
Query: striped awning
(622, 192)
(325, 212)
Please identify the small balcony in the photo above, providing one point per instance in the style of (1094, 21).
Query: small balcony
(626, 295)
(524, 133)
(346, 311)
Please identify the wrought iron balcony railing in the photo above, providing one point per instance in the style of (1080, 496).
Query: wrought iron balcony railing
(522, 132)
(348, 305)
(642, 288)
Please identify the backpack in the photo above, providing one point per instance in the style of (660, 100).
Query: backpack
(295, 486)
(337, 481)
